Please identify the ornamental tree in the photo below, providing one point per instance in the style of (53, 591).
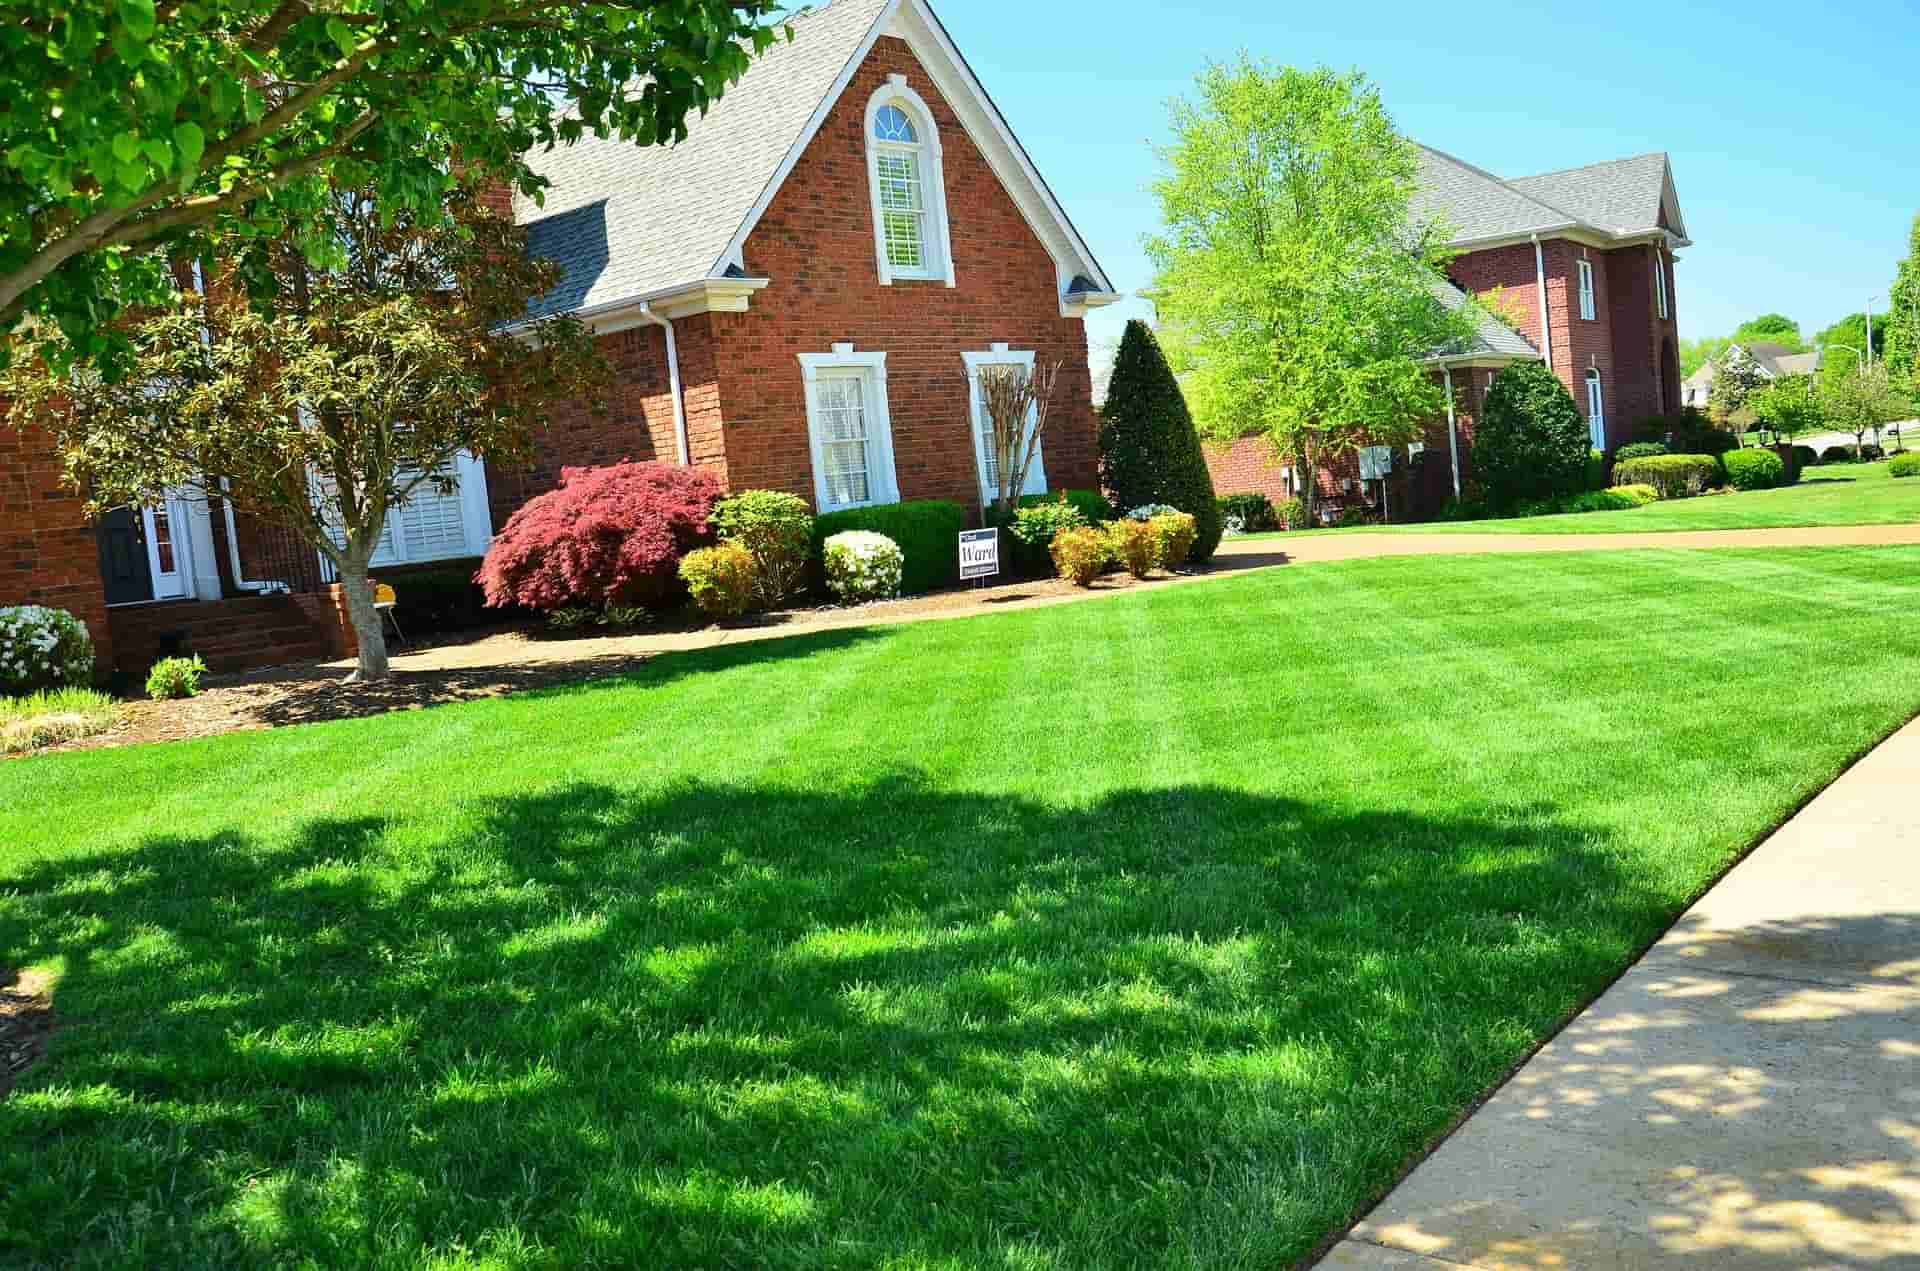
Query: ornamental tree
(1736, 377)
(1016, 401)
(1903, 315)
(1149, 449)
(191, 126)
(1788, 407)
(1862, 403)
(1530, 442)
(1298, 292)
(326, 414)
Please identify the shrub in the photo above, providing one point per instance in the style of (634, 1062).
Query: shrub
(1531, 442)
(1640, 450)
(926, 531)
(1252, 513)
(1175, 532)
(1291, 513)
(1753, 469)
(445, 598)
(1905, 465)
(1149, 451)
(1596, 470)
(776, 531)
(724, 581)
(48, 716)
(607, 536)
(1636, 496)
(173, 678)
(1837, 454)
(1351, 515)
(1805, 457)
(1093, 505)
(1871, 452)
(1034, 527)
(1136, 544)
(1080, 554)
(42, 648)
(1674, 476)
(862, 565)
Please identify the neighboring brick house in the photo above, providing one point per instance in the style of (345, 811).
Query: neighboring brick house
(799, 296)
(1582, 262)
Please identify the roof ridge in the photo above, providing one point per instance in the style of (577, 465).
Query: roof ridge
(1582, 167)
(1505, 184)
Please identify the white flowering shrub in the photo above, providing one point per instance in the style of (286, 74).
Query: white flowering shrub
(42, 648)
(1147, 511)
(862, 565)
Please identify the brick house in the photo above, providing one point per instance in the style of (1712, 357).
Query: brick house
(1581, 263)
(800, 296)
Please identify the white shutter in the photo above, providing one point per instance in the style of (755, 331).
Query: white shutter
(432, 524)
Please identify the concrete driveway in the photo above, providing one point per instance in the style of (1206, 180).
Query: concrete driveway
(1746, 1096)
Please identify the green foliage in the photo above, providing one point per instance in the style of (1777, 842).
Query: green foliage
(1903, 316)
(42, 648)
(1771, 328)
(862, 566)
(47, 717)
(1905, 464)
(1033, 529)
(1754, 469)
(1596, 470)
(1080, 554)
(1531, 442)
(1788, 407)
(1674, 476)
(1297, 286)
(173, 678)
(1149, 451)
(1248, 513)
(724, 581)
(1619, 498)
(1174, 533)
(444, 598)
(1093, 505)
(135, 135)
(1136, 544)
(1864, 402)
(1639, 450)
(776, 529)
(926, 530)
(1695, 354)
(611, 614)
(1634, 495)
(1736, 377)
(1805, 457)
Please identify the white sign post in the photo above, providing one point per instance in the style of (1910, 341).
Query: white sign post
(979, 554)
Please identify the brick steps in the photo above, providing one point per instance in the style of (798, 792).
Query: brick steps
(229, 635)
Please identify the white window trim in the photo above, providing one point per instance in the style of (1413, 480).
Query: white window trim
(883, 484)
(998, 354)
(1596, 411)
(1587, 309)
(1660, 281)
(933, 183)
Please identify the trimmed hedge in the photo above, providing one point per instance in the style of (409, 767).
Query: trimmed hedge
(927, 531)
(1674, 476)
(1805, 457)
(1753, 469)
(1906, 464)
(1640, 450)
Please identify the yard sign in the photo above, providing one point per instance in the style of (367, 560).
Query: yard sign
(979, 554)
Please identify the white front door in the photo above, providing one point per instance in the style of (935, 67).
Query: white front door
(167, 550)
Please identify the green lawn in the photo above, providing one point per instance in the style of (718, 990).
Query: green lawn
(1841, 494)
(1154, 931)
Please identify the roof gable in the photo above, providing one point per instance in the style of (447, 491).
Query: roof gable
(1617, 199)
(1623, 196)
(670, 217)
(1476, 203)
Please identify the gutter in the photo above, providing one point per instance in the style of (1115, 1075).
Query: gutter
(1453, 433)
(1540, 286)
(673, 379)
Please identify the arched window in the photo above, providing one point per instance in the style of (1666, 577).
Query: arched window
(909, 191)
(1596, 411)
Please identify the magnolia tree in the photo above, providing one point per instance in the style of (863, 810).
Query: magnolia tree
(1015, 400)
(327, 414)
(195, 126)
(1299, 294)
(1862, 403)
(1736, 377)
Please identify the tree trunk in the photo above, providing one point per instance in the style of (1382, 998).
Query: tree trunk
(1308, 481)
(367, 630)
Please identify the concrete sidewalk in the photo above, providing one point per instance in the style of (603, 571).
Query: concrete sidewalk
(1310, 549)
(1746, 1096)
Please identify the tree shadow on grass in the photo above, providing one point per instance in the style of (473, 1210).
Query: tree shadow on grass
(729, 1025)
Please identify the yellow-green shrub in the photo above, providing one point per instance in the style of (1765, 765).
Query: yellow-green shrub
(721, 579)
(1136, 544)
(1079, 554)
(1175, 532)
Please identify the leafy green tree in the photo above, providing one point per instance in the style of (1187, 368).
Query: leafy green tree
(1736, 377)
(1843, 345)
(1771, 328)
(1695, 354)
(1149, 450)
(1864, 402)
(326, 415)
(1298, 292)
(1788, 407)
(1530, 442)
(1903, 315)
(136, 130)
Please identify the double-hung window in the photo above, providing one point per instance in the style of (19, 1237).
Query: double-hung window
(849, 431)
(909, 191)
(985, 450)
(1596, 412)
(1586, 288)
(1660, 282)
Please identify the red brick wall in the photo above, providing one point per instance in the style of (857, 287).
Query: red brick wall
(48, 552)
(816, 244)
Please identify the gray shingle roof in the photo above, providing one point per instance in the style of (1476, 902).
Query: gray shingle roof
(627, 221)
(1621, 196)
(1493, 338)
(1478, 204)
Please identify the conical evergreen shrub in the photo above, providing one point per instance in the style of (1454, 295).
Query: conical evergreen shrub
(1149, 451)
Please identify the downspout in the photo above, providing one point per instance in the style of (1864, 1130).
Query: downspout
(1453, 433)
(1540, 286)
(673, 380)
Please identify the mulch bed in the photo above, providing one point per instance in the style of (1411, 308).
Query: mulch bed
(26, 1021)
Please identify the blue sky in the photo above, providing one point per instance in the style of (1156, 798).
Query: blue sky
(1791, 128)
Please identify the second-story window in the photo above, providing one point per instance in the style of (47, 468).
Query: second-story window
(909, 191)
(1586, 289)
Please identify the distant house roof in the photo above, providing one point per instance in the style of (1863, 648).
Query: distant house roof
(1774, 361)
(629, 222)
(1623, 198)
